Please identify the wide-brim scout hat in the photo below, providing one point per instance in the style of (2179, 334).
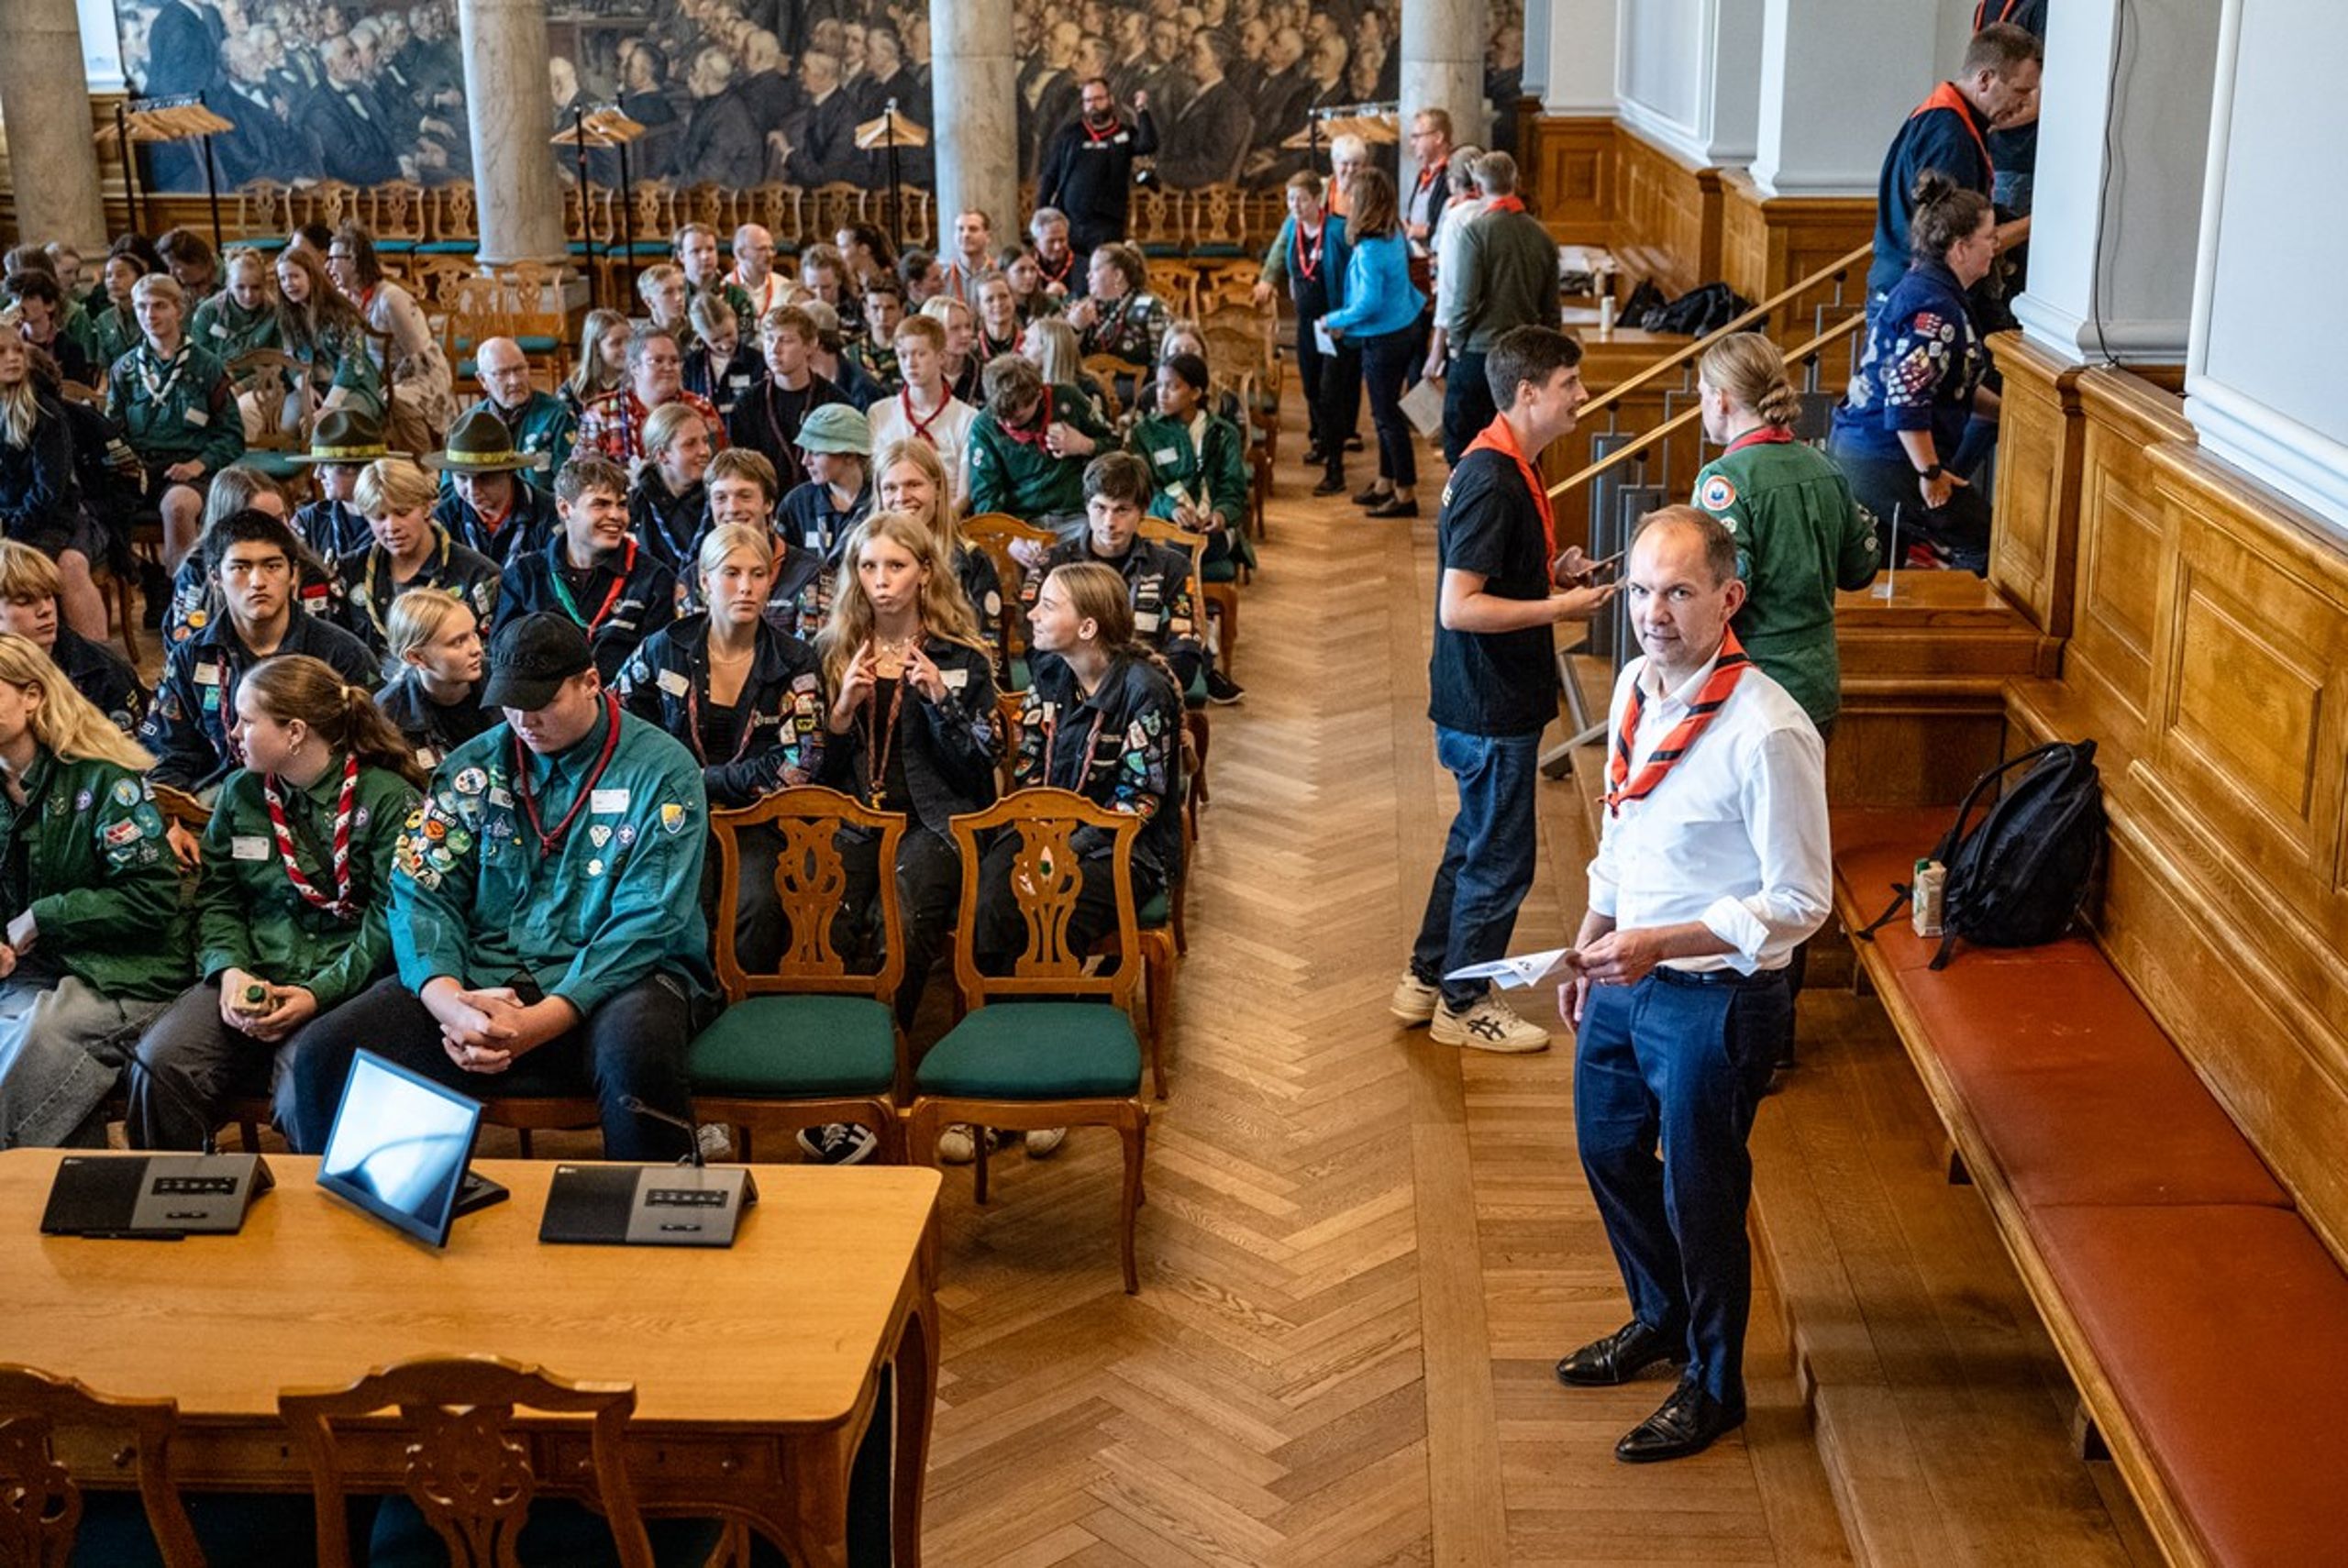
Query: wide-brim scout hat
(836, 428)
(345, 435)
(480, 444)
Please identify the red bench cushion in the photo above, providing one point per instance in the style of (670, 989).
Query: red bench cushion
(2224, 1333)
(1876, 849)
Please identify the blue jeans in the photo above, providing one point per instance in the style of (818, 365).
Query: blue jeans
(1487, 861)
(1681, 1063)
(1385, 360)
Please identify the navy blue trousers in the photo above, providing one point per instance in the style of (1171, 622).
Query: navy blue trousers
(1680, 1064)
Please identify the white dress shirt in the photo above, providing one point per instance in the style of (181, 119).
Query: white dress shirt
(1733, 836)
(949, 433)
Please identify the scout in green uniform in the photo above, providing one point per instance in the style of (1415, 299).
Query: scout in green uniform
(1028, 447)
(546, 912)
(1197, 462)
(172, 403)
(94, 943)
(240, 316)
(539, 425)
(293, 898)
(1799, 533)
(317, 326)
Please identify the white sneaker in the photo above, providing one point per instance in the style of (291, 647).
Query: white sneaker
(1043, 1143)
(956, 1146)
(1491, 1024)
(1413, 1001)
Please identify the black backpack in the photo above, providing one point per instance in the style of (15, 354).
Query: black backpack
(2020, 875)
(1699, 312)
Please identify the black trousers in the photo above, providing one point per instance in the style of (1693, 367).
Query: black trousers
(929, 887)
(189, 1065)
(631, 1047)
(1467, 406)
(1000, 934)
(1385, 361)
(1313, 366)
(1341, 394)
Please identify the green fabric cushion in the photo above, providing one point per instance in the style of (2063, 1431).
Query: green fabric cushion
(1047, 1050)
(1019, 675)
(448, 247)
(276, 465)
(797, 1046)
(1221, 570)
(1159, 911)
(532, 343)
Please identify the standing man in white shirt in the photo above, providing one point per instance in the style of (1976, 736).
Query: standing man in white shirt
(1713, 864)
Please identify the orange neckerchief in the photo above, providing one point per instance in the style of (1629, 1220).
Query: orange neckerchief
(1946, 97)
(1728, 668)
(1498, 437)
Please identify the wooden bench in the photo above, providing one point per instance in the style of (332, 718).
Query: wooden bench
(2202, 1319)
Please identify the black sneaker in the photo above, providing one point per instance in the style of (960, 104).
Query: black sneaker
(1373, 497)
(1222, 690)
(1353, 444)
(838, 1144)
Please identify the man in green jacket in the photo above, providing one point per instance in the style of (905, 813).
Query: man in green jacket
(1506, 266)
(94, 945)
(546, 912)
(172, 400)
(1029, 443)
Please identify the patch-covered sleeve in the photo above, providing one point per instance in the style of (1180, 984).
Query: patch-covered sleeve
(140, 889)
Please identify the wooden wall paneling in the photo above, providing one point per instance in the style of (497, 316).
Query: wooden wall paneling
(2125, 551)
(1667, 215)
(1769, 243)
(2034, 545)
(1570, 176)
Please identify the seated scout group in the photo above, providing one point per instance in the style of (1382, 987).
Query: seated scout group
(460, 738)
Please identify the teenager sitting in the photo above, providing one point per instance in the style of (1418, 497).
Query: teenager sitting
(433, 642)
(492, 504)
(409, 550)
(669, 503)
(28, 591)
(592, 572)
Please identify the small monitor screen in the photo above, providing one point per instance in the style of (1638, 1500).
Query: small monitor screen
(399, 1147)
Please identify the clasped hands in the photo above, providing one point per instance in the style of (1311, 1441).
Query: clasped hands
(289, 1007)
(488, 1029)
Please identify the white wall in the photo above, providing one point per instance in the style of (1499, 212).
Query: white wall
(1689, 75)
(101, 47)
(1578, 46)
(2268, 322)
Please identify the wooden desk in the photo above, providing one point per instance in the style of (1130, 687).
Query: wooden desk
(757, 1369)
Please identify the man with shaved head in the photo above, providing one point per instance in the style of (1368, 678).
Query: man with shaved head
(539, 423)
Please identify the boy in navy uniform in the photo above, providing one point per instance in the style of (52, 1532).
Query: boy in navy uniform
(612, 588)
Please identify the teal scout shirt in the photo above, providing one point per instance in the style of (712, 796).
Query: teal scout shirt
(229, 329)
(546, 424)
(248, 915)
(475, 897)
(172, 412)
(1798, 536)
(87, 853)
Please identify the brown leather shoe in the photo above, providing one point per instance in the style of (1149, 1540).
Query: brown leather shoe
(1619, 1357)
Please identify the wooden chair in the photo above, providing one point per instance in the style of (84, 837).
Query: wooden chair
(1061, 1059)
(1112, 375)
(468, 1466)
(1242, 353)
(995, 533)
(1222, 598)
(276, 382)
(1217, 226)
(1157, 221)
(115, 586)
(42, 1504)
(810, 1041)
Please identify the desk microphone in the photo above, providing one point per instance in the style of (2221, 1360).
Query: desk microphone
(156, 1196)
(692, 1129)
(648, 1205)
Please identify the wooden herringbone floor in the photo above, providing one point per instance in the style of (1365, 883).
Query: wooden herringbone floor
(1361, 1251)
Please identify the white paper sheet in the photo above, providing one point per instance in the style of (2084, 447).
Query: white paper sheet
(1511, 972)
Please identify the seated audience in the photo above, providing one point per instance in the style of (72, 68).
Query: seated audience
(409, 550)
(823, 274)
(963, 368)
(720, 366)
(252, 560)
(1119, 316)
(433, 642)
(40, 494)
(754, 275)
(29, 585)
(172, 401)
(1052, 345)
(194, 264)
(538, 425)
(835, 442)
(1027, 449)
(910, 477)
(694, 246)
(114, 322)
(612, 426)
(768, 418)
(913, 726)
(423, 401)
(1000, 325)
(195, 597)
(603, 362)
(828, 359)
(545, 917)
(36, 303)
(1157, 576)
(873, 351)
(1919, 381)
(291, 903)
(662, 290)
(592, 572)
(1197, 458)
(493, 504)
(742, 492)
(925, 408)
(316, 324)
(342, 442)
(669, 505)
(94, 944)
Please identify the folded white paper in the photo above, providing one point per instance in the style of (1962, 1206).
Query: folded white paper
(1510, 973)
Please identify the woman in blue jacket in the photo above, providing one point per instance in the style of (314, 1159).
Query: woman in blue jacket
(1381, 314)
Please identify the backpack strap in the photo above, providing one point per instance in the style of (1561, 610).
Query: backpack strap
(1948, 951)
(1902, 894)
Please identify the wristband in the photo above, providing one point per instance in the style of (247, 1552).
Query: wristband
(1927, 475)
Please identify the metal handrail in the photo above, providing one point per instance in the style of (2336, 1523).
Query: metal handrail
(1831, 273)
(1800, 355)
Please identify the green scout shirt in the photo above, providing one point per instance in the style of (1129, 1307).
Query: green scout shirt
(475, 897)
(116, 331)
(546, 424)
(249, 916)
(1798, 536)
(229, 330)
(339, 360)
(171, 413)
(1211, 471)
(1021, 478)
(87, 853)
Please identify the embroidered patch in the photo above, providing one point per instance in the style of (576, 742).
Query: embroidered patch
(124, 792)
(126, 831)
(673, 817)
(1717, 494)
(471, 781)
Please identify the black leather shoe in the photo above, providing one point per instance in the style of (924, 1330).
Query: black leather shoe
(1391, 507)
(1373, 497)
(1686, 1423)
(1619, 1357)
(1313, 456)
(1333, 484)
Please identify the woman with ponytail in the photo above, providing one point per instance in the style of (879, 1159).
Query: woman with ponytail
(1799, 535)
(290, 898)
(94, 944)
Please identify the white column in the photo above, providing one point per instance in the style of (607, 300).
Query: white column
(1579, 46)
(2124, 144)
(1688, 76)
(1837, 78)
(2260, 385)
(974, 85)
(517, 196)
(53, 161)
(1443, 68)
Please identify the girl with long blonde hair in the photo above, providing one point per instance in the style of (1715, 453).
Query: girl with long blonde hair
(95, 943)
(909, 476)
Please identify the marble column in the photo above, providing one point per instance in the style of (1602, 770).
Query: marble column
(2124, 149)
(1444, 46)
(516, 197)
(1837, 79)
(53, 161)
(974, 81)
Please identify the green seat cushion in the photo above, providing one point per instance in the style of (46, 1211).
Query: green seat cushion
(797, 1047)
(276, 465)
(448, 247)
(533, 343)
(1221, 568)
(1048, 1050)
(1219, 249)
(1019, 674)
(1157, 911)
(1195, 695)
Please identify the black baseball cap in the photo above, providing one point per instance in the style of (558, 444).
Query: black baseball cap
(531, 660)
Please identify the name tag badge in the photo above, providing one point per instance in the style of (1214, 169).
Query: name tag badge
(499, 796)
(198, 418)
(607, 800)
(249, 846)
(207, 675)
(1145, 620)
(814, 540)
(955, 678)
(219, 329)
(739, 383)
(427, 759)
(675, 684)
(1165, 455)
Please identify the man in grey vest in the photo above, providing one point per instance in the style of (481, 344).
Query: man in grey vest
(1507, 278)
